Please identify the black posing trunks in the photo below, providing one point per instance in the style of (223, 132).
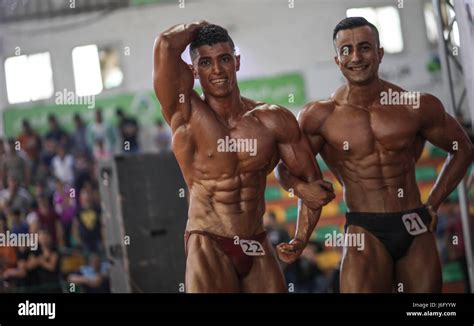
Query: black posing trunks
(395, 230)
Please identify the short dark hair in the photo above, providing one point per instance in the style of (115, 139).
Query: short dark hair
(353, 22)
(210, 35)
(25, 123)
(52, 117)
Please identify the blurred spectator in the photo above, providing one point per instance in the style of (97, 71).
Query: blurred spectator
(17, 224)
(276, 233)
(92, 277)
(99, 130)
(92, 187)
(48, 152)
(18, 275)
(15, 197)
(455, 241)
(55, 131)
(44, 265)
(7, 253)
(87, 223)
(42, 174)
(31, 143)
(443, 222)
(44, 190)
(78, 138)
(305, 274)
(49, 220)
(65, 207)
(100, 151)
(14, 164)
(128, 128)
(333, 281)
(63, 166)
(162, 137)
(33, 221)
(82, 170)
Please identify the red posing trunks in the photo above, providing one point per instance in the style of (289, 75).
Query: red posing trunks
(242, 262)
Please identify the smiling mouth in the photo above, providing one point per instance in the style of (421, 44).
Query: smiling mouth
(359, 68)
(219, 81)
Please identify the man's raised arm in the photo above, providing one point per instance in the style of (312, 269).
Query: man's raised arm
(173, 79)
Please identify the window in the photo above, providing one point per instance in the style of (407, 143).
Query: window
(430, 22)
(448, 15)
(112, 75)
(86, 65)
(387, 21)
(455, 32)
(29, 77)
(96, 69)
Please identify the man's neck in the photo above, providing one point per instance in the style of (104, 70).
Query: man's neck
(228, 108)
(363, 94)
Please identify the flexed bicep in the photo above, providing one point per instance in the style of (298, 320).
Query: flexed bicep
(173, 79)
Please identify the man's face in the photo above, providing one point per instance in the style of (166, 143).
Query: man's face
(44, 239)
(61, 152)
(358, 55)
(77, 123)
(26, 128)
(98, 117)
(216, 67)
(53, 124)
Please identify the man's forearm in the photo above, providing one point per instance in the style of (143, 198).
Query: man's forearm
(288, 181)
(178, 37)
(307, 220)
(451, 174)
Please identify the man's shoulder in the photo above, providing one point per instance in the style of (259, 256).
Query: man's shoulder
(428, 100)
(268, 111)
(320, 107)
(316, 112)
(276, 119)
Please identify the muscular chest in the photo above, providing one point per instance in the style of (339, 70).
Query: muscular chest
(247, 146)
(361, 132)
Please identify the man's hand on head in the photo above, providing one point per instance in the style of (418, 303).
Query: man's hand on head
(198, 25)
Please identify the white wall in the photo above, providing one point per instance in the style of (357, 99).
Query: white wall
(272, 39)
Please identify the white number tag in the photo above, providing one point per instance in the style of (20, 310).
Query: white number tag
(414, 224)
(252, 248)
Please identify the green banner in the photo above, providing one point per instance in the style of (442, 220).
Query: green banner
(147, 2)
(287, 90)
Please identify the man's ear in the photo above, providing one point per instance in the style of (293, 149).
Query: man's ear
(237, 58)
(336, 60)
(381, 54)
(193, 71)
